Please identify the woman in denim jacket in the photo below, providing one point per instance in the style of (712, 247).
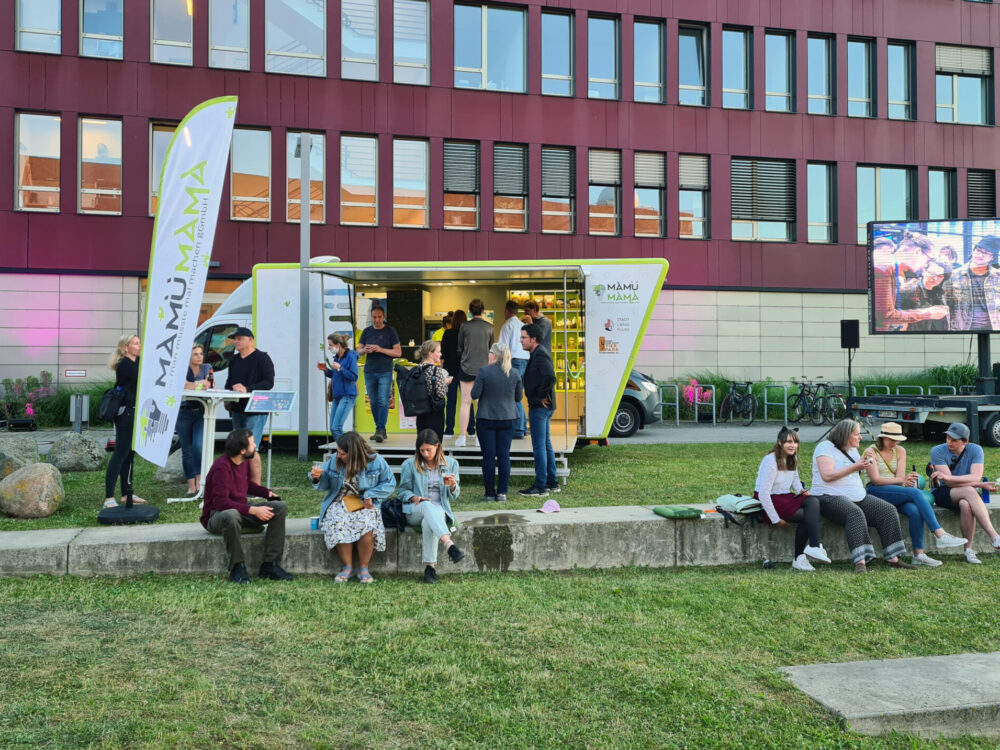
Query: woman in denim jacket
(427, 485)
(355, 470)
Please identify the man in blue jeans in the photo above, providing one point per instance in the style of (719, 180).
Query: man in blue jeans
(540, 389)
(381, 344)
(249, 370)
(510, 334)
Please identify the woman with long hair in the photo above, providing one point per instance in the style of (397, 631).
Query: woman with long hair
(451, 359)
(436, 380)
(356, 481)
(124, 362)
(190, 419)
(343, 374)
(428, 483)
(498, 389)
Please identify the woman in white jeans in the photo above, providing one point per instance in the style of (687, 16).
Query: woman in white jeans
(427, 485)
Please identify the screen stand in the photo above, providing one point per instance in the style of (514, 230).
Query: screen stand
(987, 383)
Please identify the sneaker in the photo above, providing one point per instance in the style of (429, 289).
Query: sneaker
(374, 437)
(948, 540)
(923, 559)
(239, 574)
(274, 572)
(802, 563)
(501, 498)
(489, 498)
(384, 436)
(996, 543)
(553, 488)
(900, 564)
(970, 557)
(430, 575)
(816, 553)
(460, 441)
(476, 440)
(533, 492)
(455, 554)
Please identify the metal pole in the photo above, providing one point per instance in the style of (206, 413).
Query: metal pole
(305, 185)
(987, 385)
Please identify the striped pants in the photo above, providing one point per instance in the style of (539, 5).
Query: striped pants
(857, 517)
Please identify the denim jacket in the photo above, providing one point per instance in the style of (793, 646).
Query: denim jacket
(375, 482)
(413, 482)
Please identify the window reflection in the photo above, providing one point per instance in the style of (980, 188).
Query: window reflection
(101, 31)
(250, 177)
(692, 66)
(38, 144)
(229, 34)
(736, 69)
(317, 177)
(172, 32)
(39, 26)
(409, 183)
(648, 64)
(498, 63)
(821, 76)
(295, 37)
(359, 39)
(358, 180)
(100, 166)
(557, 54)
(410, 42)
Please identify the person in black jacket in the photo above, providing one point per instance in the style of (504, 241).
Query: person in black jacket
(125, 363)
(249, 370)
(539, 387)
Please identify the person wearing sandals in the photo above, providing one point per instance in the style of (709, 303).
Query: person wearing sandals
(125, 364)
(356, 481)
(843, 499)
(785, 500)
(498, 390)
(888, 479)
(428, 483)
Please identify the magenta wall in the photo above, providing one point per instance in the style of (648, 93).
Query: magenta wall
(138, 91)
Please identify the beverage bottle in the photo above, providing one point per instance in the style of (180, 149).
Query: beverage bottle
(211, 378)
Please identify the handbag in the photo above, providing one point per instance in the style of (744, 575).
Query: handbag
(353, 503)
(110, 403)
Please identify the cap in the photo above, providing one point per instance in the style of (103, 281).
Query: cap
(549, 506)
(241, 331)
(991, 243)
(958, 431)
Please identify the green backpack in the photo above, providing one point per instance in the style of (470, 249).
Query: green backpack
(734, 507)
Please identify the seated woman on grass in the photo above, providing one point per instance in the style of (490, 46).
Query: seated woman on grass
(887, 479)
(785, 500)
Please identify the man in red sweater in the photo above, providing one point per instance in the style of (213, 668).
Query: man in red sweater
(227, 512)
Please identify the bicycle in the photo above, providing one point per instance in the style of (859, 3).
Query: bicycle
(740, 403)
(808, 402)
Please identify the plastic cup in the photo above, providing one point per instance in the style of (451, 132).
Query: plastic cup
(314, 523)
(317, 469)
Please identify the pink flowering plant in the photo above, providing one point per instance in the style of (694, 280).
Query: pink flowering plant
(22, 395)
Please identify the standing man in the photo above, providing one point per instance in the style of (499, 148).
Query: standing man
(510, 334)
(250, 370)
(226, 511)
(958, 467)
(543, 323)
(539, 387)
(381, 343)
(973, 293)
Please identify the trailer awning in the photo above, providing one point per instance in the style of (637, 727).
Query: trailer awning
(433, 274)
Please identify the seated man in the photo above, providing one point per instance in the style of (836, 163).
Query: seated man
(958, 466)
(227, 511)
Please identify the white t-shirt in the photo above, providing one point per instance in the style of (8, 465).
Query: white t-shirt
(770, 481)
(850, 486)
(510, 334)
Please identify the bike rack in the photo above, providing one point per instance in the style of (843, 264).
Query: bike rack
(948, 390)
(876, 390)
(913, 390)
(784, 399)
(675, 404)
(698, 404)
(965, 389)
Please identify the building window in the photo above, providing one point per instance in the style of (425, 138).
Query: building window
(489, 48)
(409, 183)
(39, 26)
(101, 27)
(250, 175)
(981, 195)
(171, 32)
(736, 69)
(692, 66)
(602, 58)
(295, 37)
(411, 60)
(37, 162)
(884, 194)
(964, 81)
(779, 72)
(821, 188)
(317, 177)
(558, 60)
(692, 196)
(763, 199)
(229, 34)
(160, 134)
(941, 194)
(901, 77)
(558, 190)
(650, 180)
(100, 166)
(359, 39)
(648, 61)
(822, 76)
(860, 78)
(510, 188)
(605, 186)
(359, 180)
(461, 185)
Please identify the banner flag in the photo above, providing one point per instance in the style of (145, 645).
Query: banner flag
(190, 191)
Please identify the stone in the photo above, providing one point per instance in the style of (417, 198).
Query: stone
(16, 452)
(172, 471)
(36, 491)
(75, 452)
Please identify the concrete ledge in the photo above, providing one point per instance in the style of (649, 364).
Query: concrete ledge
(28, 553)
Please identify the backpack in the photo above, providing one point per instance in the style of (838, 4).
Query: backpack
(392, 514)
(413, 392)
(732, 507)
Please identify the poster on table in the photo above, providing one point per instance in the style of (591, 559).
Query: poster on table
(191, 181)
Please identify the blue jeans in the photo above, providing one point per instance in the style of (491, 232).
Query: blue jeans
(911, 503)
(521, 425)
(541, 445)
(253, 422)
(494, 443)
(190, 426)
(379, 387)
(340, 409)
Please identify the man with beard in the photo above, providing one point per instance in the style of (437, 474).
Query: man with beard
(973, 290)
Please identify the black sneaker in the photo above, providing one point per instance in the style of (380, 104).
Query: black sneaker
(553, 488)
(533, 492)
(274, 572)
(455, 554)
(239, 574)
(430, 575)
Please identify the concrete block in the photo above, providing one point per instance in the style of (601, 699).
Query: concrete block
(29, 553)
(306, 552)
(706, 541)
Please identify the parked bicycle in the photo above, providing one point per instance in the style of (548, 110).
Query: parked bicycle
(817, 402)
(740, 403)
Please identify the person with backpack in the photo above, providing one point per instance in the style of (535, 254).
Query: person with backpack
(435, 381)
(784, 500)
(498, 390)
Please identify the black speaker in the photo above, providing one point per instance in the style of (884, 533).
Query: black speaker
(849, 336)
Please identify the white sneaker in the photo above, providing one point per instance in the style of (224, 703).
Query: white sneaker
(996, 543)
(460, 441)
(948, 540)
(802, 563)
(923, 559)
(476, 439)
(970, 557)
(817, 553)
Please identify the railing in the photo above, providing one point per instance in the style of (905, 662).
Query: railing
(947, 390)
(911, 390)
(708, 387)
(784, 399)
(876, 390)
(675, 404)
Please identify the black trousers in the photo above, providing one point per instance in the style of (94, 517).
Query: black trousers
(120, 465)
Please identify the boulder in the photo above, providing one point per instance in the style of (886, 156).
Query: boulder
(172, 471)
(16, 452)
(75, 452)
(36, 491)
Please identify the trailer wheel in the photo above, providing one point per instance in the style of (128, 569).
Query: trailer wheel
(991, 431)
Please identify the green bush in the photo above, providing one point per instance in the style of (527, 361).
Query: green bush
(53, 411)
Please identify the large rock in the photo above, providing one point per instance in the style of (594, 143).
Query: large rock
(172, 471)
(75, 452)
(36, 491)
(16, 452)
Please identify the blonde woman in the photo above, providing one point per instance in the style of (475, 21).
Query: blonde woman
(498, 389)
(125, 364)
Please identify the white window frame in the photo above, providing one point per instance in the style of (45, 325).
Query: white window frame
(426, 67)
(80, 189)
(102, 37)
(877, 192)
(483, 71)
(19, 29)
(359, 204)
(268, 53)
(830, 75)
(249, 199)
(831, 204)
(154, 42)
(344, 58)
(570, 213)
(787, 96)
(571, 78)
(446, 209)
(909, 79)
(870, 63)
(747, 35)
(705, 192)
(659, 88)
(617, 215)
(154, 190)
(702, 31)
(426, 207)
(224, 48)
(289, 202)
(21, 189)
